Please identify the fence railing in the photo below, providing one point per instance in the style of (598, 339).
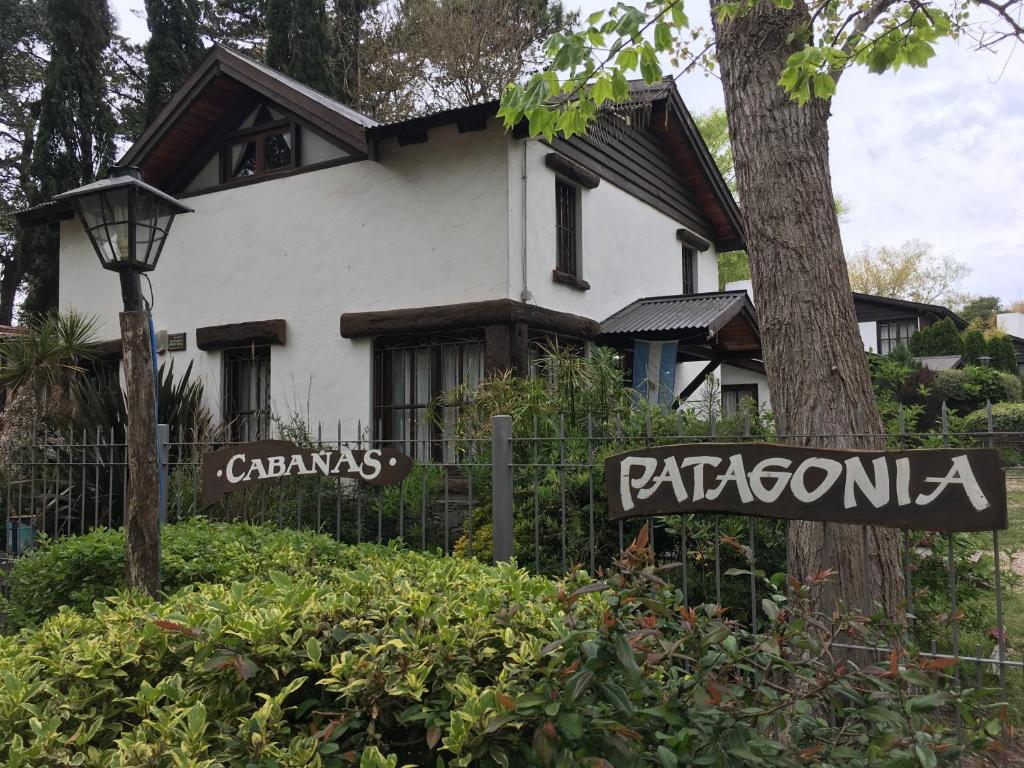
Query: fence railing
(536, 492)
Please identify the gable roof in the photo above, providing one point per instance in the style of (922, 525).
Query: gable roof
(874, 307)
(223, 88)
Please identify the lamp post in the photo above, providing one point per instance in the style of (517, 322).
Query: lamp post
(984, 360)
(127, 222)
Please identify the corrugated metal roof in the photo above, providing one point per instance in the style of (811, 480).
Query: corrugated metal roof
(707, 311)
(940, 362)
(305, 90)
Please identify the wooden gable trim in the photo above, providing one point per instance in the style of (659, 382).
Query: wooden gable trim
(574, 172)
(476, 314)
(213, 337)
(692, 239)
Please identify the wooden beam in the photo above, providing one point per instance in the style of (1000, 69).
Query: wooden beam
(692, 387)
(214, 337)
(476, 314)
(572, 171)
(472, 123)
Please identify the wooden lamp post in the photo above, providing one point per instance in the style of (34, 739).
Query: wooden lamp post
(127, 222)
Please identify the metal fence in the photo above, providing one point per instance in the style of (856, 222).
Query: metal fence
(536, 492)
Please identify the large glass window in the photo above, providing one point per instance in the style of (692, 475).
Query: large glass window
(246, 402)
(895, 334)
(410, 376)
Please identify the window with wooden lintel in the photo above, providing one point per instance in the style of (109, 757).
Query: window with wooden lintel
(894, 334)
(411, 375)
(269, 146)
(246, 392)
(733, 396)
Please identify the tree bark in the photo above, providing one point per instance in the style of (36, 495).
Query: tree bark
(142, 516)
(814, 357)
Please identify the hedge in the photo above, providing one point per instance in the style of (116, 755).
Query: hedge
(968, 389)
(421, 660)
(78, 570)
(1006, 417)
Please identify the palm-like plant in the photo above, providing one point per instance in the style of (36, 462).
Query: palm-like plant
(49, 352)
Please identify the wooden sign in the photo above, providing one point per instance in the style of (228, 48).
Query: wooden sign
(238, 466)
(936, 489)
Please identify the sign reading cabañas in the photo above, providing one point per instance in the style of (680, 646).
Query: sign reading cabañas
(936, 489)
(229, 469)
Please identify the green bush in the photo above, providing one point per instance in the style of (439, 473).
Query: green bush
(417, 660)
(941, 338)
(969, 388)
(79, 570)
(1006, 417)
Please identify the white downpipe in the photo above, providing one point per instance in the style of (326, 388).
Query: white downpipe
(525, 294)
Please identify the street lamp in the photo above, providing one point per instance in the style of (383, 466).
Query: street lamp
(984, 360)
(127, 221)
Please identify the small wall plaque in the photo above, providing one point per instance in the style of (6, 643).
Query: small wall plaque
(175, 342)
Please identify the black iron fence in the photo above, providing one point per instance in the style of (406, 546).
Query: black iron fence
(536, 492)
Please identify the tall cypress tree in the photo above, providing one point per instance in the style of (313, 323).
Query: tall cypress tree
(173, 49)
(298, 41)
(76, 127)
(309, 43)
(279, 16)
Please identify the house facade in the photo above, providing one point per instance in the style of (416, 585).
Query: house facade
(351, 272)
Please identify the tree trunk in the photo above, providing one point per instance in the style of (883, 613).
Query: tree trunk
(817, 370)
(142, 515)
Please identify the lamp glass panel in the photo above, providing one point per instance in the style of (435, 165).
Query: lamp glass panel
(117, 214)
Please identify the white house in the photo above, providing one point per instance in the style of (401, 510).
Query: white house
(358, 269)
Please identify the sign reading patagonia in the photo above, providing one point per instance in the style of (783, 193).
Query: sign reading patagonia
(939, 490)
(229, 469)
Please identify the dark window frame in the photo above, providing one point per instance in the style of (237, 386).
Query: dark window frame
(384, 407)
(689, 261)
(899, 341)
(264, 127)
(568, 229)
(252, 423)
(741, 391)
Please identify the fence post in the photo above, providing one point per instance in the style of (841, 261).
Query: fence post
(501, 486)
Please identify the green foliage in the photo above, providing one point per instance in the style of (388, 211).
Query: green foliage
(974, 345)
(1006, 417)
(173, 48)
(78, 570)
(48, 353)
(970, 388)
(980, 309)
(75, 137)
(1003, 353)
(939, 338)
(377, 665)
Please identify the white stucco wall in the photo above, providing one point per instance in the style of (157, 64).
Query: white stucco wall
(1011, 323)
(629, 248)
(426, 225)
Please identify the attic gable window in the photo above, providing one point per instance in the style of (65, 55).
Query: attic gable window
(268, 146)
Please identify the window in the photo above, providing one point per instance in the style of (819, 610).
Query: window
(268, 146)
(733, 396)
(567, 228)
(895, 334)
(410, 376)
(247, 393)
(689, 270)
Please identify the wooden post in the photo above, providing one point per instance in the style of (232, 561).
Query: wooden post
(141, 522)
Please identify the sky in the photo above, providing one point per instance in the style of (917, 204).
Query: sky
(935, 154)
